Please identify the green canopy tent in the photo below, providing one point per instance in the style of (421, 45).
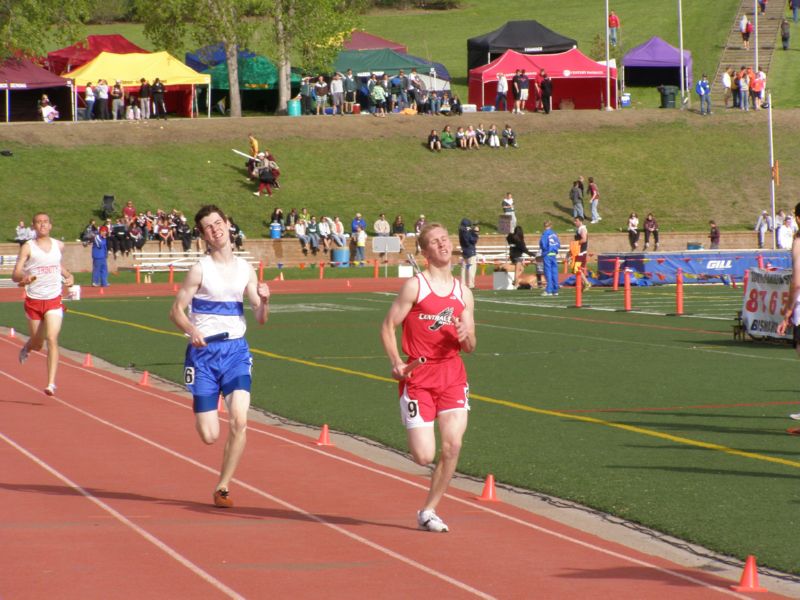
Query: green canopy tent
(364, 62)
(258, 83)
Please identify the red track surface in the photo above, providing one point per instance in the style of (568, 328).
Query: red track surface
(106, 494)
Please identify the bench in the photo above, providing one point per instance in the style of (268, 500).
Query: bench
(7, 264)
(500, 253)
(160, 262)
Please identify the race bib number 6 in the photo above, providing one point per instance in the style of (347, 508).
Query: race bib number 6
(188, 375)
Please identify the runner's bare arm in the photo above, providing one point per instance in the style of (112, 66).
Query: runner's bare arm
(18, 274)
(258, 294)
(177, 313)
(794, 288)
(465, 324)
(397, 312)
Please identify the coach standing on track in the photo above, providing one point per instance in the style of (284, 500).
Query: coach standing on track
(792, 310)
(39, 269)
(215, 288)
(436, 314)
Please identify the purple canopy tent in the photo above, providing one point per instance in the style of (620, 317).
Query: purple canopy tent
(656, 63)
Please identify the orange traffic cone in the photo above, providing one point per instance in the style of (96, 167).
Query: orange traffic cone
(279, 277)
(348, 283)
(102, 291)
(221, 407)
(87, 361)
(488, 494)
(749, 580)
(175, 287)
(324, 437)
(12, 333)
(145, 380)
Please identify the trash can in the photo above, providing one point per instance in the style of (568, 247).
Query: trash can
(275, 231)
(294, 108)
(340, 257)
(694, 246)
(668, 94)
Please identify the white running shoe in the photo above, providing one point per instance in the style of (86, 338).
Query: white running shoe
(23, 355)
(430, 521)
(50, 390)
(795, 416)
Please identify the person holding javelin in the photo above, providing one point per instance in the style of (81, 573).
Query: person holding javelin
(436, 314)
(39, 270)
(218, 359)
(792, 308)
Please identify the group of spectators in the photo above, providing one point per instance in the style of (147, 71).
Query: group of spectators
(262, 168)
(381, 95)
(650, 228)
(471, 137)
(327, 233)
(578, 192)
(536, 88)
(745, 87)
(103, 102)
(132, 230)
(784, 228)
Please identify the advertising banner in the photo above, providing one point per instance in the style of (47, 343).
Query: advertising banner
(766, 298)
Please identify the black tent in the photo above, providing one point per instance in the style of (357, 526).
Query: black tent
(527, 37)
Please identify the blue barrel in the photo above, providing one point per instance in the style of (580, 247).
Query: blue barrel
(275, 231)
(294, 108)
(340, 257)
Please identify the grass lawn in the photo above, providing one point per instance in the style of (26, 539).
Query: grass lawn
(663, 421)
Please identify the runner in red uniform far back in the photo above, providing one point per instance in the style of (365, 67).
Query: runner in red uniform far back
(436, 315)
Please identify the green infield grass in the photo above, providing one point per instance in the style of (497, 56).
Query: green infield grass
(664, 421)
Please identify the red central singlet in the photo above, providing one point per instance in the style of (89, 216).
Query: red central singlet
(429, 328)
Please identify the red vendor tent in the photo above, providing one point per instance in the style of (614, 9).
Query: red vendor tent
(361, 40)
(22, 84)
(576, 78)
(70, 58)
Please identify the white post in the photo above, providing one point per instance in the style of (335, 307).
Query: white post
(7, 102)
(755, 30)
(608, 65)
(771, 170)
(208, 102)
(680, 40)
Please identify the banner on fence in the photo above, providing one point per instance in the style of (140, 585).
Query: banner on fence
(765, 301)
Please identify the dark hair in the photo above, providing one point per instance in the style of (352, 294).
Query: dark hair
(207, 210)
(797, 209)
(518, 236)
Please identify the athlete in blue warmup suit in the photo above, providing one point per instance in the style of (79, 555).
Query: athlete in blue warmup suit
(218, 359)
(549, 245)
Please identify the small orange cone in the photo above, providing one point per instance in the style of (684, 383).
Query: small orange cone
(87, 361)
(749, 580)
(488, 494)
(324, 437)
(348, 283)
(221, 408)
(145, 380)
(102, 291)
(12, 333)
(793, 431)
(175, 287)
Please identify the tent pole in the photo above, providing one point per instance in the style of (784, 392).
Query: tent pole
(7, 102)
(680, 37)
(608, 65)
(755, 30)
(194, 102)
(208, 100)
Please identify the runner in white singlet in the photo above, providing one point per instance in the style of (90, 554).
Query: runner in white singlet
(40, 271)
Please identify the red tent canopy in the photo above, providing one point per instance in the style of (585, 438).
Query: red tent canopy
(361, 40)
(576, 78)
(22, 84)
(66, 59)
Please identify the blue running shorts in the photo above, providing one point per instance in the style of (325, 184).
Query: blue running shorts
(222, 366)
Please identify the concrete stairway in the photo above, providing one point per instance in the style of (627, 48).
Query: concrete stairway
(735, 56)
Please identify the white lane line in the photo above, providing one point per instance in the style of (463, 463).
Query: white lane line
(369, 543)
(200, 572)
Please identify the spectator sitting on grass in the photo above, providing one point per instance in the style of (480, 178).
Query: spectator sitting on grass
(480, 134)
(399, 228)
(448, 141)
(509, 137)
(291, 220)
(434, 142)
(277, 217)
(461, 138)
(493, 136)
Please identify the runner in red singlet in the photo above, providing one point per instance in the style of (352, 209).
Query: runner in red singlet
(40, 271)
(436, 314)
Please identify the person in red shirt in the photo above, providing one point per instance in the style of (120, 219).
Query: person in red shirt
(129, 213)
(436, 315)
(613, 28)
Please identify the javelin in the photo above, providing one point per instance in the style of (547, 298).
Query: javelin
(240, 153)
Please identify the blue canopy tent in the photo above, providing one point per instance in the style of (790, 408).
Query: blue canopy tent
(209, 56)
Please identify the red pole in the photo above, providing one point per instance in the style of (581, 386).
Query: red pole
(322, 270)
(627, 291)
(171, 274)
(760, 260)
(744, 281)
(578, 290)
(260, 270)
(375, 269)
(138, 274)
(679, 292)
(617, 261)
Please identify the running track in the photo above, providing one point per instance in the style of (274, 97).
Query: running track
(105, 492)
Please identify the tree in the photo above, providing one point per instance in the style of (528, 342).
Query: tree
(315, 31)
(232, 22)
(27, 25)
